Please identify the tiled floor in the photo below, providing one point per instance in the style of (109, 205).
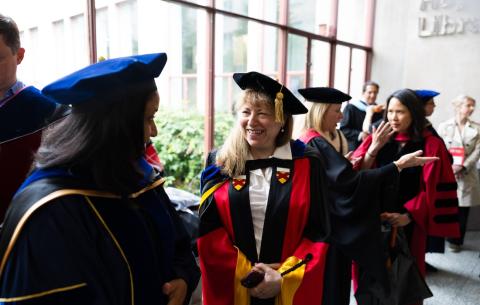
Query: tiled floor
(457, 282)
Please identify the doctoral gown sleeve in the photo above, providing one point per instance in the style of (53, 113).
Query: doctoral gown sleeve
(45, 265)
(184, 265)
(355, 208)
(435, 208)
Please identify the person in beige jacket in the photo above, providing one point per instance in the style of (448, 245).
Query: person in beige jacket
(462, 138)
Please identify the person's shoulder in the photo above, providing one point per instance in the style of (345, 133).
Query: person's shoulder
(450, 121)
(432, 142)
(349, 107)
(210, 176)
(475, 124)
(301, 151)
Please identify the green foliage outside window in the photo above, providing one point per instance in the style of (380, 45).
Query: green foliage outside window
(180, 145)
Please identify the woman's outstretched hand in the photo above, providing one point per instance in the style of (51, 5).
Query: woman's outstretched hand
(413, 159)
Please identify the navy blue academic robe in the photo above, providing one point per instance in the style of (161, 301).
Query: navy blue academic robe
(64, 243)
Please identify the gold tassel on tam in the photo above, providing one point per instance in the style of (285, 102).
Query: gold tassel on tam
(279, 107)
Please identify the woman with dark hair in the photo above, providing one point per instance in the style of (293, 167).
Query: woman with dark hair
(423, 201)
(92, 223)
(351, 192)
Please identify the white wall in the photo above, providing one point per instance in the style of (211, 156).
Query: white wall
(449, 63)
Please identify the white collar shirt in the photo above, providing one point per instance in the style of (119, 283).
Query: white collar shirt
(259, 189)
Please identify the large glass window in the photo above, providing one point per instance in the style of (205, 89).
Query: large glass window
(241, 46)
(359, 61)
(127, 29)
(352, 21)
(264, 9)
(79, 47)
(55, 43)
(342, 68)
(310, 15)
(320, 64)
(103, 33)
(296, 62)
(59, 46)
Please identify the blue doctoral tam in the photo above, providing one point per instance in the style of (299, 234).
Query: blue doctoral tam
(262, 83)
(107, 79)
(426, 95)
(324, 95)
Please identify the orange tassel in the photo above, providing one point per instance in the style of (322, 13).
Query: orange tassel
(279, 108)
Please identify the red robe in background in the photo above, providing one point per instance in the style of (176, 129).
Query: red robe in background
(428, 193)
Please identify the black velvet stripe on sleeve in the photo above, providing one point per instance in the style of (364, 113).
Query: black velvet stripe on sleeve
(446, 218)
(446, 203)
(445, 187)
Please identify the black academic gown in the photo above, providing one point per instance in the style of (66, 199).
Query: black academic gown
(352, 122)
(296, 224)
(355, 208)
(63, 243)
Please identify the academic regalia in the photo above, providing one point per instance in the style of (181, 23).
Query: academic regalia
(22, 117)
(434, 243)
(352, 122)
(66, 242)
(296, 223)
(355, 209)
(428, 193)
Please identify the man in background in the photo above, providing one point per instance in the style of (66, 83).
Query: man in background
(24, 113)
(359, 115)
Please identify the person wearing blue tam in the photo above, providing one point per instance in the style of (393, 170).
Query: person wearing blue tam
(92, 224)
(24, 114)
(428, 102)
(426, 96)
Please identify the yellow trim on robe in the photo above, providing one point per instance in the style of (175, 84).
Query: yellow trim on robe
(241, 295)
(41, 294)
(117, 244)
(209, 192)
(149, 187)
(61, 193)
(290, 282)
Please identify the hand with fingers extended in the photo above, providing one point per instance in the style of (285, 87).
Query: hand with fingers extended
(413, 159)
(380, 137)
(271, 284)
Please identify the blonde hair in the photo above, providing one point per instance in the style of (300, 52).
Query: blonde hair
(233, 154)
(459, 100)
(314, 118)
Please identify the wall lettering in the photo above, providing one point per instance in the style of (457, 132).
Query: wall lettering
(446, 17)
